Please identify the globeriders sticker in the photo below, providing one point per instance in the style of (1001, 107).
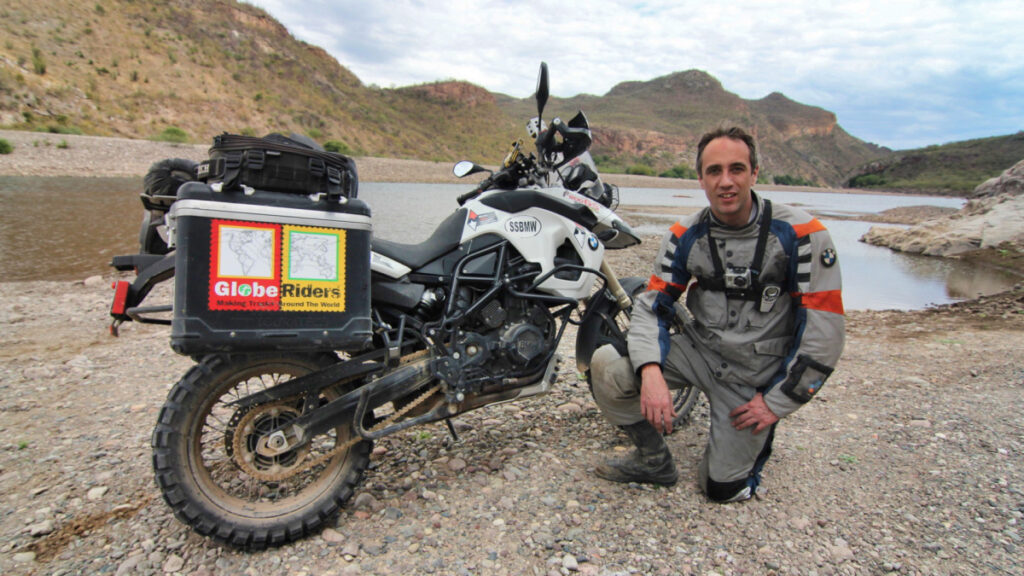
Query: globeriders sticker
(276, 267)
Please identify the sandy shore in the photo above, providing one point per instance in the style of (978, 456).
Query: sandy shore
(42, 154)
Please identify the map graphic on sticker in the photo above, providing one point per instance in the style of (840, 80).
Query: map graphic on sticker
(312, 256)
(246, 252)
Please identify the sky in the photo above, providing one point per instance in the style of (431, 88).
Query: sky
(897, 73)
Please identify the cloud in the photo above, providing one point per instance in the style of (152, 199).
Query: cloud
(898, 73)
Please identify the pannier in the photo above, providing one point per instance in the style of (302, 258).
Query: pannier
(277, 163)
(257, 270)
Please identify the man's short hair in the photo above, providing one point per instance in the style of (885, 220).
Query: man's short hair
(733, 133)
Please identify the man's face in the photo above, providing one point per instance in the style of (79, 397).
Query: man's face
(727, 179)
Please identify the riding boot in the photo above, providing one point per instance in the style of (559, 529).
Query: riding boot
(650, 463)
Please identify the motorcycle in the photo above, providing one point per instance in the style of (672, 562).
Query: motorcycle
(258, 448)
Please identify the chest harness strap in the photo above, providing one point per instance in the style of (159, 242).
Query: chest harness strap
(743, 283)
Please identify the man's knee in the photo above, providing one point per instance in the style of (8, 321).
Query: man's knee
(608, 368)
(603, 362)
(733, 491)
(614, 386)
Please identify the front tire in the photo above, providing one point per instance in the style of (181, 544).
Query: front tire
(196, 445)
(610, 325)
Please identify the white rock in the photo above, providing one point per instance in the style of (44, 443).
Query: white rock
(174, 563)
(96, 493)
(41, 529)
(570, 408)
(365, 501)
(37, 373)
(332, 536)
(129, 565)
(351, 549)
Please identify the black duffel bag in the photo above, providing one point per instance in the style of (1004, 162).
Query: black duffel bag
(278, 163)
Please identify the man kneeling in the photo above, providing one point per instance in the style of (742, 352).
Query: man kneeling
(764, 291)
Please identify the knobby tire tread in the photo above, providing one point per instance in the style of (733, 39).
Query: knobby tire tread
(169, 471)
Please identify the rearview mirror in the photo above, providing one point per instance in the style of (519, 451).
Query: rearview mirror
(465, 168)
(542, 89)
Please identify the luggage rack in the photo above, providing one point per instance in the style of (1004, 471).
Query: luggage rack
(150, 269)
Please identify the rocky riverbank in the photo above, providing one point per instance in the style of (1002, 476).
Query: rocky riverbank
(992, 221)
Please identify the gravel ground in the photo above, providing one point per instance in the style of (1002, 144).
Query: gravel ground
(908, 462)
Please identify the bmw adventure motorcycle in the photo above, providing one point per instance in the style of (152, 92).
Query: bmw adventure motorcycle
(257, 448)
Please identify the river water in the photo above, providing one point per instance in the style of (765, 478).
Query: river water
(69, 228)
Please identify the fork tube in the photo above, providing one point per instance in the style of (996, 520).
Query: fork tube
(613, 284)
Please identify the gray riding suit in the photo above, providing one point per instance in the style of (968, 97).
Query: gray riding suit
(777, 330)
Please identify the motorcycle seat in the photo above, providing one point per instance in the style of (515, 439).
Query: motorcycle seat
(445, 238)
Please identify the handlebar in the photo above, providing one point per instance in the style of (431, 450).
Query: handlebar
(547, 138)
(463, 198)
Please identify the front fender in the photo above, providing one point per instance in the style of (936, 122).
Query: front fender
(599, 326)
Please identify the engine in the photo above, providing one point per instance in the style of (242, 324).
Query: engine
(508, 338)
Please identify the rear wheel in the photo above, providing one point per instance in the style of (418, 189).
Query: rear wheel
(214, 479)
(613, 329)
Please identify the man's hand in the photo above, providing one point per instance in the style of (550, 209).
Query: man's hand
(754, 413)
(655, 399)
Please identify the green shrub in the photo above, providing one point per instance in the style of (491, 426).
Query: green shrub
(6, 147)
(338, 147)
(680, 171)
(59, 129)
(641, 170)
(38, 63)
(173, 134)
(63, 145)
(787, 180)
(867, 181)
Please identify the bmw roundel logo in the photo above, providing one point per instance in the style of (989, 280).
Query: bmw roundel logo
(592, 241)
(828, 257)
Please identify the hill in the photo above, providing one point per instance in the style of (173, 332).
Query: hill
(186, 70)
(952, 169)
(657, 123)
(198, 68)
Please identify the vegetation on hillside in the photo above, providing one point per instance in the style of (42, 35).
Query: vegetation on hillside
(950, 169)
(136, 68)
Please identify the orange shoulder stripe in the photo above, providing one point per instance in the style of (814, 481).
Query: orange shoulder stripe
(828, 301)
(677, 229)
(808, 228)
